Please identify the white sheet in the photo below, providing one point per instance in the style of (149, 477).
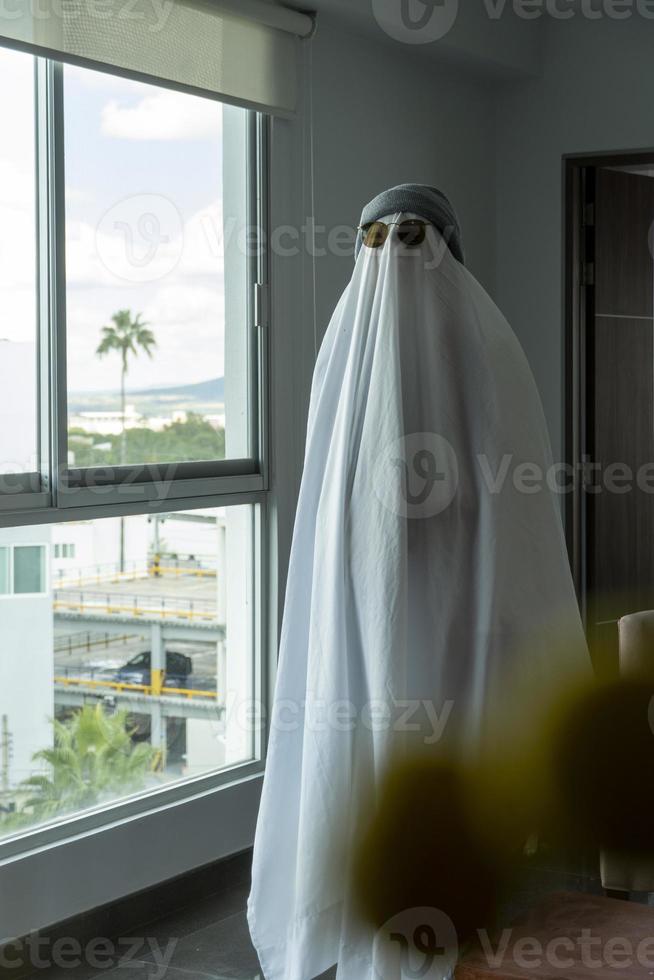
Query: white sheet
(393, 598)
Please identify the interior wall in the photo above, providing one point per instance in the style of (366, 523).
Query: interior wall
(595, 94)
(381, 117)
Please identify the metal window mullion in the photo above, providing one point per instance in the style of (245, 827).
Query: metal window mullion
(263, 645)
(258, 304)
(42, 276)
(51, 275)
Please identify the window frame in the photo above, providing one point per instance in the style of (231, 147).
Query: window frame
(28, 488)
(57, 487)
(63, 497)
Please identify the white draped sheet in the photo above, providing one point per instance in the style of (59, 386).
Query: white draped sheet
(435, 607)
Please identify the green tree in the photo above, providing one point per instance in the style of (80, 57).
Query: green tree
(93, 759)
(126, 336)
(193, 439)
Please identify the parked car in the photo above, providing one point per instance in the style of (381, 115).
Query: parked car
(179, 667)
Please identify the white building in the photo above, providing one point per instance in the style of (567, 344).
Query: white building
(91, 549)
(18, 443)
(26, 651)
(107, 423)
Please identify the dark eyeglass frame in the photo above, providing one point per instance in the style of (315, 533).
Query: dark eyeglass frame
(411, 232)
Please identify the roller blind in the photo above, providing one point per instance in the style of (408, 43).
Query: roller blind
(243, 52)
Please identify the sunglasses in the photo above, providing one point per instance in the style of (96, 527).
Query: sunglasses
(410, 232)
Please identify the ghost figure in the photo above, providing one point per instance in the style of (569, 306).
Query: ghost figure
(428, 574)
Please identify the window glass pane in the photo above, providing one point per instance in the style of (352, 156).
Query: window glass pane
(18, 322)
(4, 571)
(29, 568)
(145, 637)
(156, 264)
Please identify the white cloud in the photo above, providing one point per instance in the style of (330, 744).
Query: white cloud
(164, 115)
(189, 304)
(103, 255)
(185, 306)
(17, 203)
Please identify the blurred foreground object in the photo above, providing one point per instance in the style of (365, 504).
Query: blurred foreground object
(623, 872)
(424, 848)
(603, 767)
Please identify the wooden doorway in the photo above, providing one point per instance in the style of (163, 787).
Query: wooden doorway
(609, 370)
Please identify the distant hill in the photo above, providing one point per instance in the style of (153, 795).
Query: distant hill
(203, 396)
(202, 391)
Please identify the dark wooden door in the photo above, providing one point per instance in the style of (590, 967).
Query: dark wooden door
(620, 370)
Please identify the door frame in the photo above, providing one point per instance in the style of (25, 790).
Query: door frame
(579, 170)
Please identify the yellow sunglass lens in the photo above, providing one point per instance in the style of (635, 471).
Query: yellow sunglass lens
(375, 234)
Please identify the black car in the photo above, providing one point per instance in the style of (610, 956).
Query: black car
(179, 667)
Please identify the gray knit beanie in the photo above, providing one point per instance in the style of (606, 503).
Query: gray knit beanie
(428, 202)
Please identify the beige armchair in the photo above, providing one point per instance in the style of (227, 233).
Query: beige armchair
(622, 874)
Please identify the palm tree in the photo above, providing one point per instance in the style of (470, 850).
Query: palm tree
(126, 336)
(93, 760)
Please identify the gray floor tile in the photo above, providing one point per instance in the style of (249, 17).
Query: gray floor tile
(205, 912)
(136, 970)
(212, 940)
(146, 971)
(222, 950)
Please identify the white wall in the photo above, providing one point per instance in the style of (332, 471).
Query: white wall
(381, 117)
(485, 36)
(17, 407)
(596, 93)
(26, 664)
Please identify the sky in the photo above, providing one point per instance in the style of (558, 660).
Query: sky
(143, 223)
(17, 265)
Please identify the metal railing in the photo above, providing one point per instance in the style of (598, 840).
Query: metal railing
(137, 606)
(106, 684)
(88, 640)
(157, 566)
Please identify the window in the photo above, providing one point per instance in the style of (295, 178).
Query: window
(18, 269)
(4, 571)
(131, 252)
(156, 207)
(29, 569)
(22, 569)
(160, 659)
(64, 550)
(134, 435)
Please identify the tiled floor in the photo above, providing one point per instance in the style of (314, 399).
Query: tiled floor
(208, 939)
